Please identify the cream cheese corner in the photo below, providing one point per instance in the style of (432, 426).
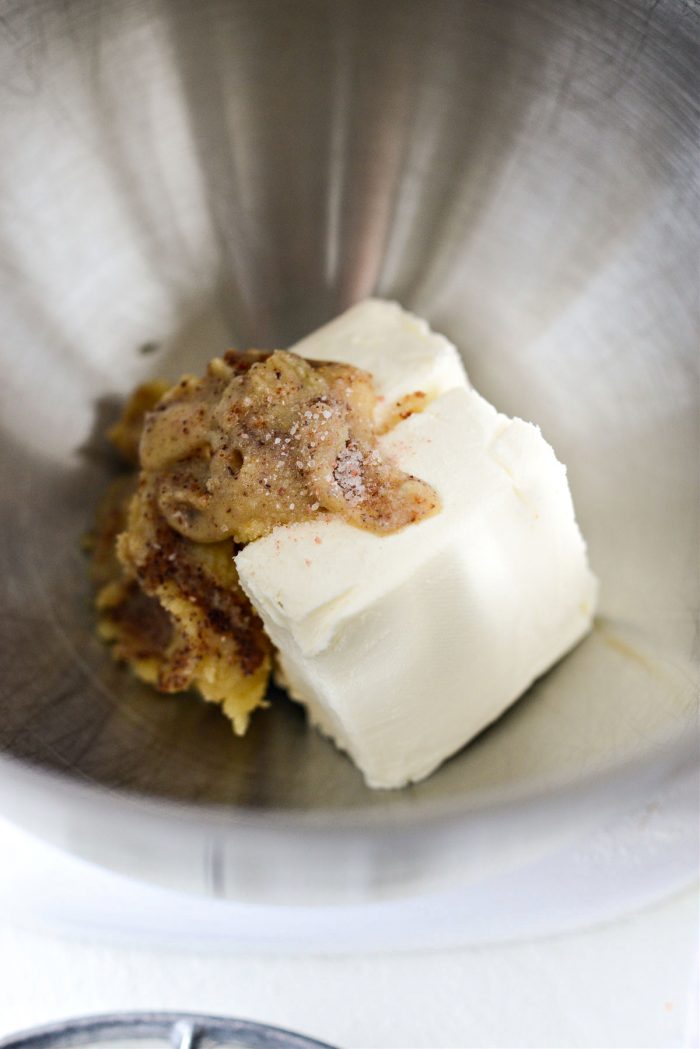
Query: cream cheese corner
(398, 348)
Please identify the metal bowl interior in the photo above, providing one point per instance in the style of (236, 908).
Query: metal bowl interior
(180, 178)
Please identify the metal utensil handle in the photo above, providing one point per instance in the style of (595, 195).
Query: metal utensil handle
(178, 1030)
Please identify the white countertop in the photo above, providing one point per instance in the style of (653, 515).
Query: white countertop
(625, 984)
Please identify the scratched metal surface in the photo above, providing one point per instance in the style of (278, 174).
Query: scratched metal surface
(177, 178)
(169, 1030)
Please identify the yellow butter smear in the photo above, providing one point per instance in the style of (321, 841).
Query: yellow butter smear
(261, 440)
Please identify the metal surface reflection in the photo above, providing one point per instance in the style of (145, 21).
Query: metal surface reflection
(174, 1030)
(195, 176)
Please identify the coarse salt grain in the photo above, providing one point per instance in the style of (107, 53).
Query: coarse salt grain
(348, 474)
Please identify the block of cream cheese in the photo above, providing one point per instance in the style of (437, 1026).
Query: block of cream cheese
(404, 647)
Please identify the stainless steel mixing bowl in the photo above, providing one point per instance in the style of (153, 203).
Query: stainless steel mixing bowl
(180, 177)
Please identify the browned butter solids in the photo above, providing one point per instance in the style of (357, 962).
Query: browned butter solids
(267, 439)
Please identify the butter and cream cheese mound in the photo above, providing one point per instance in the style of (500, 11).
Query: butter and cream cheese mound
(411, 554)
(261, 440)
